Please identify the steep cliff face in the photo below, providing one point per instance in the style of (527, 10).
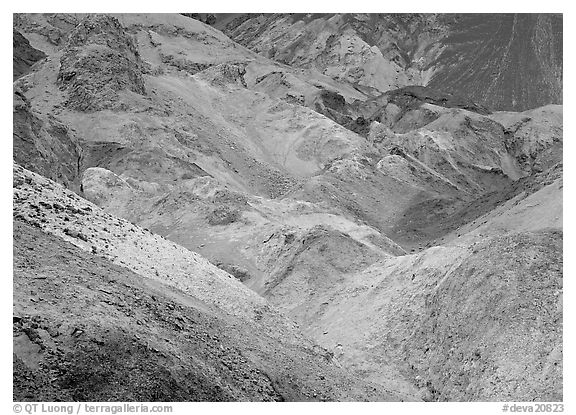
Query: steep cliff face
(46, 146)
(24, 55)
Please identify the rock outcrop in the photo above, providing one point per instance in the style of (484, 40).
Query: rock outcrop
(48, 148)
(99, 60)
(23, 55)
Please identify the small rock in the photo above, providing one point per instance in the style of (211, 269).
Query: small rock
(77, 332)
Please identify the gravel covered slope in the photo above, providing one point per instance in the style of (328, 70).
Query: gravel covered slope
(107, 259)
(461, 323)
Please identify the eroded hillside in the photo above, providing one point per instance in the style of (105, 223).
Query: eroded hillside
(503, 61)
(286, 218)
(92, 290)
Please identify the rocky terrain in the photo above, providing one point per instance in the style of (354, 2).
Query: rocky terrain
(24, 55)
(160, 322)
(503, 61)
(286, 207)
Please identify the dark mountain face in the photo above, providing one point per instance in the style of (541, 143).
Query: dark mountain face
(502, 61)
(413, 96)
(24, 55)
(46, 146)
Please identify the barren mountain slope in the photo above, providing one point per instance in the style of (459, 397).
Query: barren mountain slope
(474, 213)
(229, 227)
(246, 139)
(387, 225)
(171, 43)
(158, 113)
(476, 319)
(423, 176)
(477, 322)
(503, 61)
(24, 55)
(122, 338)
(119, 265)
(534, 137)
(183, 129)
(44, 145)
(368, 51)
(157, 130)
